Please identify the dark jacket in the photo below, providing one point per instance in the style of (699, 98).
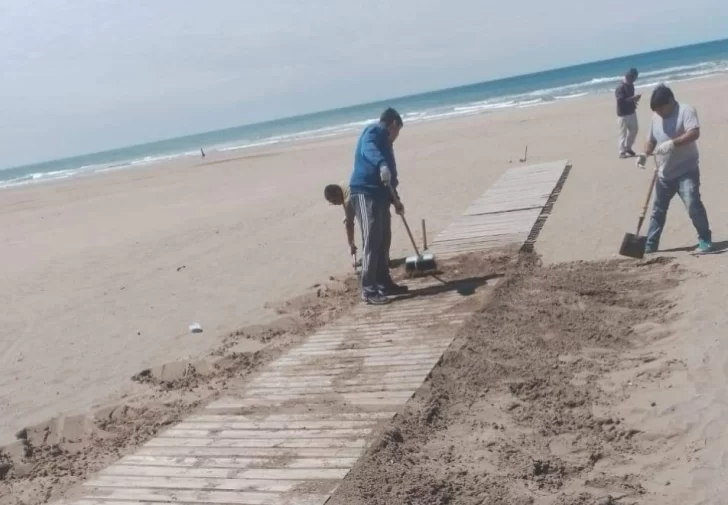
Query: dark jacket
(624, 92)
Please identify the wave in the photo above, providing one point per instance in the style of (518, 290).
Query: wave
(453, 106)
(39, 176)
(316, 133)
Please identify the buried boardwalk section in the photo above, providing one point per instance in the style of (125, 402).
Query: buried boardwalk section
(297, 429)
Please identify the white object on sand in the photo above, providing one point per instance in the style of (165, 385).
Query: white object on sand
(196, 328)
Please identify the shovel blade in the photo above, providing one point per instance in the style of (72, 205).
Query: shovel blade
(421, 263)
(633, 246)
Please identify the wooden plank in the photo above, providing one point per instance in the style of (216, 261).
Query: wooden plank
(190, 423)
(226, 464)
(324, 452)
(476, 241)
(175, 496)
(513, 236)
(307, 499)
(375, 345)
(325, 397)
(339, 389)
(488, 223)
(484, 243)
(384, 399)
(256, 474)
(178, 432)
(407, 331)
(311, 372)
(348, 362)
(474, 246)
(193, 483)
(295, 474)
(297, 418)
(489, 226)
(486, 230)
(369, 353)
(353, 354)
(303, 375)
(362, 379)
(257, 443)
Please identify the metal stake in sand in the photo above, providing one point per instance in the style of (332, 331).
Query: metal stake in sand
(421, 262)
(633, 245)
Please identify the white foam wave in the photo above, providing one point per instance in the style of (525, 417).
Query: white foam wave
(569, 97)
(533, 98)
(39, 176)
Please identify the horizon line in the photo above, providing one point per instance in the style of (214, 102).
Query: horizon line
(364, 104)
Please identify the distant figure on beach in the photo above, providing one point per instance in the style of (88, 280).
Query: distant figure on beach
(373, 179)
(339, 194)
(627, 113)
(674, 131)
(202, 152)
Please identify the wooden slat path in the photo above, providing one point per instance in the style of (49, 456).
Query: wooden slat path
(505, 214)
(296, 430)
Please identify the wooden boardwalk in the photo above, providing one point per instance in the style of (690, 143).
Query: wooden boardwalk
(296, 430)
(505, 214)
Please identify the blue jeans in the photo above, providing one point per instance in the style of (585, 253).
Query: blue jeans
(688, 187)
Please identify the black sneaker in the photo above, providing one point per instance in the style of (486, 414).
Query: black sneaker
(394, 290)
(375, 299)
(631, 153)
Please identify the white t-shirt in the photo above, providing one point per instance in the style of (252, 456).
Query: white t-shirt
(683, 159)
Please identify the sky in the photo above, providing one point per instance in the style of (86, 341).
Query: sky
(80, 76)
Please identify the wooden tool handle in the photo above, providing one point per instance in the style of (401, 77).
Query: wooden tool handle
(399, 204)
(641, 219)
(424, 236)
(649, 191)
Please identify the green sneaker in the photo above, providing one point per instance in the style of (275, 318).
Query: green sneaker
(650, 249)
(704, 247)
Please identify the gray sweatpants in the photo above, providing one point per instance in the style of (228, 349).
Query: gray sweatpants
(375, 222)
(627, 132)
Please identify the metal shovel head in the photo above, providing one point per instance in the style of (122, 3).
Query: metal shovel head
(421, 263)
(633, 246)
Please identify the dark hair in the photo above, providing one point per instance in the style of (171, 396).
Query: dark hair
(332, 191)
(632, 72)
(390, 116)
(662, 95)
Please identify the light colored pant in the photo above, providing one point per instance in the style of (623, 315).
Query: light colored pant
(627, 132)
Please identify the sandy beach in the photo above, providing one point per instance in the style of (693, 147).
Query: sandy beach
(103, 274)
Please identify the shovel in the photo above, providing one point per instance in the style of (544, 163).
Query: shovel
(422, 262)
(633, 245)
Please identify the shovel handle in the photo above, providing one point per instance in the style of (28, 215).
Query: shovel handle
(649, 196)
(404, 221)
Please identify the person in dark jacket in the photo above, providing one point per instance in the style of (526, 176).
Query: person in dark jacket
(372, 182)
(627, 113)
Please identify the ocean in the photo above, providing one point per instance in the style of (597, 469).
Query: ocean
(670, 65)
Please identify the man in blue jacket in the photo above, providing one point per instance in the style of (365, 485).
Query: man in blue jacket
(373, 179)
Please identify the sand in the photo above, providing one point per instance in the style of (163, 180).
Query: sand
(48, 459)
(513, 414)
(105, 273)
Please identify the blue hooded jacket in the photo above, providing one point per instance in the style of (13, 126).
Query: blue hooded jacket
(373, 150)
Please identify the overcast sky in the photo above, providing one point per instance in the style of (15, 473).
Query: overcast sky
(79, 76)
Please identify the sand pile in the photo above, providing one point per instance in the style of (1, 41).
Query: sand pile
(509, 415)
(49, 458)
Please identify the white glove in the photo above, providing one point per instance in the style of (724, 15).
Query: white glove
(665, 147)
(641, 160)
(385, 174)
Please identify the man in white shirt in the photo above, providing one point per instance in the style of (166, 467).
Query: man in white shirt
(673, 136)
